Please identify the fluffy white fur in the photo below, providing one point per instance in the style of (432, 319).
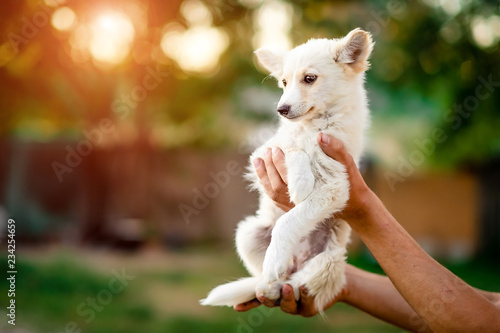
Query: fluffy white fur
(307, 245)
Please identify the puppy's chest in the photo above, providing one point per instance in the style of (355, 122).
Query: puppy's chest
(296, 138)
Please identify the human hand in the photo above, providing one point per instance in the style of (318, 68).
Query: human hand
(304, 306)
(273, 176)
(360, 195)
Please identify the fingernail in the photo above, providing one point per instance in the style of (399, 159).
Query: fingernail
(325, 138)
(257, 162)
(275, 150)
(267, 152)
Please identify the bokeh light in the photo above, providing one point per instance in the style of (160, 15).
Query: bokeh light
(112, 35)
(63, 19)
(196, 13)
(451, 7)
(273, 22)
(485, 31)
(198, 48)
(451, 32)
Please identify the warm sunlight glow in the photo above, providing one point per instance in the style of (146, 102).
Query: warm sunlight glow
(198, 48)
(54, 3)
(63, 19)
(112, 35)
(80, 38)
(273, 22)
(196, 13)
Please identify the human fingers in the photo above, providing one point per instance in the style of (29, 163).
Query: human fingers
(280, 196)
(247, 305)
(288, 303)
(335, 148)
(260, 168)
(360, 195)
(277, 190)
(267, 302)
(279, 163)
(306, 307)
(277, 182)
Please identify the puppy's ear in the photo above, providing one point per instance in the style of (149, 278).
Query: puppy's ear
(272, 61)
(354, 50)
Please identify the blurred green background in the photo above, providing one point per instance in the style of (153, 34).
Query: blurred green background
(126, 126)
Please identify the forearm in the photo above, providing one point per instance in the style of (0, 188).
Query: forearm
(440, 298)
(376, 295)
(493, 297)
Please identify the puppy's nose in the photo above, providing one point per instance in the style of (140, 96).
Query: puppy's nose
(284, 109)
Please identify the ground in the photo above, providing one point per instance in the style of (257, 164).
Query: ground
(67, 290)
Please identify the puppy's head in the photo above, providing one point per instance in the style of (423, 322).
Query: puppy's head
(316, 74)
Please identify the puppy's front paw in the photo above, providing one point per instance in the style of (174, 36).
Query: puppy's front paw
(300, 176)
(300, 187)
(271, 291)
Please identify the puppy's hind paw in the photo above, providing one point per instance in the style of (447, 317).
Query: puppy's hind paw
(271, 291)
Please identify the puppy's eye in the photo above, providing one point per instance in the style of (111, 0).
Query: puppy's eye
(284, 82)
(310, 79)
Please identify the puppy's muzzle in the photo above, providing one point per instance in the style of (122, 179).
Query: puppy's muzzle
(284, 109)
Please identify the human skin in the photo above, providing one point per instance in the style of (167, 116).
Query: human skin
(418, 293)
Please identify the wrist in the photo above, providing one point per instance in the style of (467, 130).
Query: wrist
(364, 208)
(346, 293)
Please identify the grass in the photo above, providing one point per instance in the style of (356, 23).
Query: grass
(54, 293)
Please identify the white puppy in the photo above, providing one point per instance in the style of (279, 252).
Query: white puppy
(323, 91)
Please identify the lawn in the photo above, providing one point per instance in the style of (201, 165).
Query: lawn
(68, 290)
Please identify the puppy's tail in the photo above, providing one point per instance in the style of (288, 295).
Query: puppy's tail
(232, 293)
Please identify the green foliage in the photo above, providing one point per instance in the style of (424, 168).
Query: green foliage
(426, 60)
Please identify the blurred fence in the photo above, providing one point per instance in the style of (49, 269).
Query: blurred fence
(127, 194)
(131, 195)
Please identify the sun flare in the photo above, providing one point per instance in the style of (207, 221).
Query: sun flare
(112, 35)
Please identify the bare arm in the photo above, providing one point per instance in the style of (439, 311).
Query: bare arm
(376, 295)
(493, 297)
(372, 293)
(442, 300)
